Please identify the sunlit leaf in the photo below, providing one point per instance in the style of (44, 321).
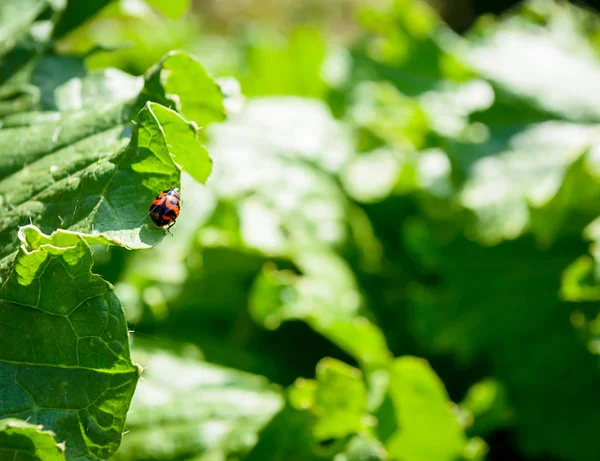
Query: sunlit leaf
(337, 399)
(181, 82)
(427, 428)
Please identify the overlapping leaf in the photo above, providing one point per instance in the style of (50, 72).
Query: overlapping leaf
(89, 160)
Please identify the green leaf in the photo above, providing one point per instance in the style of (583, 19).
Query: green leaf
(180, 82)
(83, 175)
(320, 419)
(90, 170)
(326, 297)
(22, 440)
(337, 399)
(185, 408)
(64, 360)
(427, 428)
(182, 141)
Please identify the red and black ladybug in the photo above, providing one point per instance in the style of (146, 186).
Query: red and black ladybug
(165, 208)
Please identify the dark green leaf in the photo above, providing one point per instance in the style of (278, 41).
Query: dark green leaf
(64, 360)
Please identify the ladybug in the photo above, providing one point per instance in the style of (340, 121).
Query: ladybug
(165, 208)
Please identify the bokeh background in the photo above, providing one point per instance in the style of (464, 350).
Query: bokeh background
(396, 178)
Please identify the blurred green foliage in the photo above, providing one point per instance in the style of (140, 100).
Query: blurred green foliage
(400, 235)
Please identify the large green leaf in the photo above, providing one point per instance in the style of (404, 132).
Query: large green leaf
(186, 408)
(90, 169)
(24, 441)
(83, 174)
(64, 346)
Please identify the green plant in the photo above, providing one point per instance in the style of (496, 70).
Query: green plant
(408, 279)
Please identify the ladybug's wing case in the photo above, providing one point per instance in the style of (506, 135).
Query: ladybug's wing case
(172, 205)
(157, 202)
(165, 207)
(157, 209)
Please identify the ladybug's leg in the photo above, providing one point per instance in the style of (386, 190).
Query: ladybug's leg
(170, 225)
